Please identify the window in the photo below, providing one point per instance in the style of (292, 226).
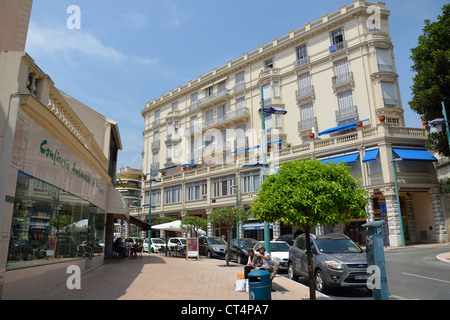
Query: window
(156, 197)
(393, 122)
(175, 106)
(240, 103)
(301, 54)
(196, 191)
(337, 40)
(209, 91)
(157, 117)
(224, 186)
(267, 94)
(209, 114)
(345, 100)
(251, 181)
(240, 81)
(384, 60)
(169, 130)
(34, 230)
(172, 195)
(276, 89)
(156, 157)
(268, 64)
(222, 112)
(307, 112)
(304, 85)
(389, 94)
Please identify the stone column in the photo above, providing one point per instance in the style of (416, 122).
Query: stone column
(185, 234)
(440, 234)
(276, 230)
(210, 231)
(393, 220)
(369, 210)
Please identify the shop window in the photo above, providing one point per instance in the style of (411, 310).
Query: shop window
(49, 223)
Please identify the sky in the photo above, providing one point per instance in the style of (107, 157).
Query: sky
(115, 56)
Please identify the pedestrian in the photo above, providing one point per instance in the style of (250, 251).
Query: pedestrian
(250, 263)
(265, 262)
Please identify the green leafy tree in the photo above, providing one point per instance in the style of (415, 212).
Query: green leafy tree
(308, 193)
(60, 223)
(228, 217)
(193, 224)
(431, 84)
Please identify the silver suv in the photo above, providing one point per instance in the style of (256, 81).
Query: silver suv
(337, 261)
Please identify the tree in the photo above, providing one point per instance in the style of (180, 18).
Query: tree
(431, 84)
(307, 193)
(60, 223)
(193, 224)
(228, 217)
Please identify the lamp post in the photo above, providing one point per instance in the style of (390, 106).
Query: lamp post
(150, 208)
(398, 199)
(265, 112)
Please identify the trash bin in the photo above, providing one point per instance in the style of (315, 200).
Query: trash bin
(259, 285)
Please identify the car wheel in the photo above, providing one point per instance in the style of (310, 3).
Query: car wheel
(238, 259)
(209, 254)
(321, 286)
(291, 272)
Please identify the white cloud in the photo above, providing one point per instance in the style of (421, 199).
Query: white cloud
(50, 40)
(174, 16)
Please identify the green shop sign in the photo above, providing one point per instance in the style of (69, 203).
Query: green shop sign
(58, 160)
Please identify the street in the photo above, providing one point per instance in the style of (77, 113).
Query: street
(412, 273)
(415, 273)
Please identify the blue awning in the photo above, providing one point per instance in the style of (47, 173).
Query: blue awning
(255, 226)
(341, 128)
(413, 155)
(347, 159)
(371, 155)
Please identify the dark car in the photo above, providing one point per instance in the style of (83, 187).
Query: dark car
(212, 247)
(239, 249)
(289, 238)
(337, 261)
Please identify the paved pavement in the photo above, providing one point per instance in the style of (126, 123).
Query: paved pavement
(157, 277)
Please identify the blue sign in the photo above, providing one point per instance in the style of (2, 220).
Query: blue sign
(383, 207)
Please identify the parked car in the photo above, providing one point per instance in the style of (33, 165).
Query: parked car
(337, 261)
(157, 245)
(212, 247)
(279, 250)
(176, 244)
(239, 249)
(131, 242)
(289, 238)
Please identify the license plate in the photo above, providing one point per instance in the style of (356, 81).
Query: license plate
(361, 277)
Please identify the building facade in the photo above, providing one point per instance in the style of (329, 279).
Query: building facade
(57, 164)
(128, 183)
(336, 79)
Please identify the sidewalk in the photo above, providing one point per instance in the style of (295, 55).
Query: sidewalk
(157, 277)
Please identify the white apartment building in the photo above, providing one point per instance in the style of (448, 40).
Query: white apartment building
(337, 80)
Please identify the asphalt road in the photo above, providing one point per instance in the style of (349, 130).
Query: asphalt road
(412, 273)
(415, 273)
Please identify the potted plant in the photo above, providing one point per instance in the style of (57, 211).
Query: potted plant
(382, 119)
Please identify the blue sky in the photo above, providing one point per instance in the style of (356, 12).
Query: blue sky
(127, 53)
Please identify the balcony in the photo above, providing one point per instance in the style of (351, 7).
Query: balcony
(304, 92)
(342, 79)
(346, 114)
(216, 97)
(227, 118)
(268, 75)
(194, 106)
(385, 68)
(239, 87)
(338, 46)
(391, 103)
(155, 144)
(155, 166)
(301, 62)
(307, 124)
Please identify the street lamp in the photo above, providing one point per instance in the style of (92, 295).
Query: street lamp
(266, 112)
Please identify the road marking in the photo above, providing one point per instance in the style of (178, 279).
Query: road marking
(415, 275)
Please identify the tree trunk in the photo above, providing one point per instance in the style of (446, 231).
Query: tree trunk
(312, 285)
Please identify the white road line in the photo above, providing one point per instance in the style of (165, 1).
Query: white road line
(415, 275)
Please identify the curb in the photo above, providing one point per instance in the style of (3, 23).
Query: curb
(444, 257)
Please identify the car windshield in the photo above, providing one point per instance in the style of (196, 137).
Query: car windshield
(279, 247)
(183, 241)
(216, 241)
(158, 241)
(247, 243)
(337, 246)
